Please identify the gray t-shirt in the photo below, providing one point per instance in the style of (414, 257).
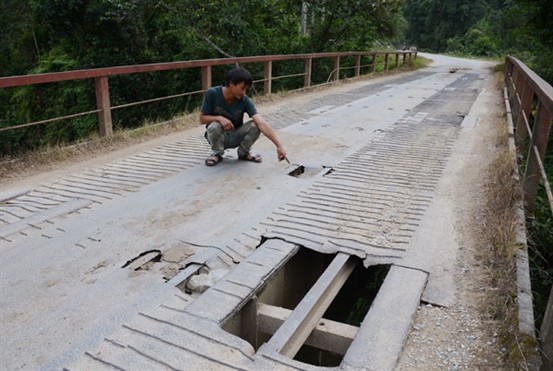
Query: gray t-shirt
(215, 104)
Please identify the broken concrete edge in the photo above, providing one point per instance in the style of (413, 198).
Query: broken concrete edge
(332, 249)
(410, 281)
(524, 289)
(400, 277)
(385, 331)
(107, 328)
(287, 248)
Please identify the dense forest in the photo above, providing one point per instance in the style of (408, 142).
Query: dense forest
(40, 36)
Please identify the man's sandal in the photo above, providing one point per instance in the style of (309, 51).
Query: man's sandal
(213, 160)
(252, 158)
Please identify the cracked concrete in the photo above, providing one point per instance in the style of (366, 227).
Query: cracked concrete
(395, 144)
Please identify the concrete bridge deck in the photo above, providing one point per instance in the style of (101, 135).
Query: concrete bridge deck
(155, 261)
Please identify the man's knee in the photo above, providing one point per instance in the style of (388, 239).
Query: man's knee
(215, 128)
(253, 130)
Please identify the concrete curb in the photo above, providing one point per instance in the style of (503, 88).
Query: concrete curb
(524, 289)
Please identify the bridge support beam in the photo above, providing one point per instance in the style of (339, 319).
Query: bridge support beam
(293, 332)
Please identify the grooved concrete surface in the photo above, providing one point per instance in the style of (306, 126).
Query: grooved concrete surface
(380, 157)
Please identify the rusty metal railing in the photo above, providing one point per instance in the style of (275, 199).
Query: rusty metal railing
(530, 100)
(101, 76)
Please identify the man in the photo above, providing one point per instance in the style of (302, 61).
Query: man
(223, 114)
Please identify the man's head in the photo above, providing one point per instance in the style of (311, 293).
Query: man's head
(238, 75)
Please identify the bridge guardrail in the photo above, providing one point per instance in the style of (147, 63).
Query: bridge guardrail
(531, 102)
(101, 75)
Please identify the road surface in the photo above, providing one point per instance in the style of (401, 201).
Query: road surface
(85, 251)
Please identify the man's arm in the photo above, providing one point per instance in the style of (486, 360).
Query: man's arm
(268, 131)
(207, 111)
(208, 119)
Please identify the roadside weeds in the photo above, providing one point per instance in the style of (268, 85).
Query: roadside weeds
(499, 299)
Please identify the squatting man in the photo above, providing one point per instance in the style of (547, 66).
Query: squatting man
(223, 111)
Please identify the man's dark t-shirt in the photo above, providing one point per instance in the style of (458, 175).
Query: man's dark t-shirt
(215, 104)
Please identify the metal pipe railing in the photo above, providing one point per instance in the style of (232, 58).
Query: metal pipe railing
(531, 99)
(101, 76)
(531, 102)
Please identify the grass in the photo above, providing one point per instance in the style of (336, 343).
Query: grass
(46, 157)
(502, 197)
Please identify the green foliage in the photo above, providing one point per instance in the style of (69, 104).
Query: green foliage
(455, 45)
(61, 35)
(479, 43)
(541, 242)
(17, 48)
(541, 254)
(434, 22)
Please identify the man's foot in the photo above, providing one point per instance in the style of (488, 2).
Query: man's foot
(250, 157)
(213, 160)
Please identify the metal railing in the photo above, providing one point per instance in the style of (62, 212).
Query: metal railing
(101, 76)
(530, 99)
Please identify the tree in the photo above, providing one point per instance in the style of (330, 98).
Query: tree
(434, 22)
(60, 35)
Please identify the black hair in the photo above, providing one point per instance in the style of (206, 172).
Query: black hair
(238, 75)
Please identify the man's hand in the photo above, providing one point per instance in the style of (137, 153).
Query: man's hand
(281, 154)
(226, 123)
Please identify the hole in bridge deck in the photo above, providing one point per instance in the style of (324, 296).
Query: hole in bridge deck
(262, 316)
(301, 170)
(143, 260)
(350, 307)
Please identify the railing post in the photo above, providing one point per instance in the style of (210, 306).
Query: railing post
(540, 135)
(522, 115)
(386, 61)
(373, 62)
(397, 60)
(357, 65)
(547, 334)
(267, 76)
(307, 77)
(102, 102)
(336, 71)
(206, 77)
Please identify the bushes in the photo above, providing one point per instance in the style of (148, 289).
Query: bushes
(57, 35)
